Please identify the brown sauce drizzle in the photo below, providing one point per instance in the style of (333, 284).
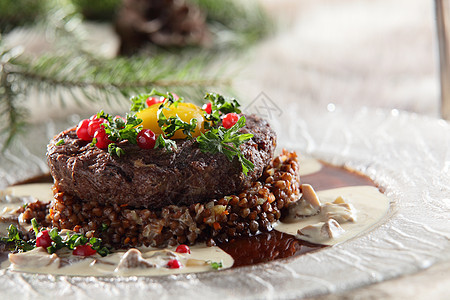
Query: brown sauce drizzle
(265, 247)
(330, 177)
(268, 246)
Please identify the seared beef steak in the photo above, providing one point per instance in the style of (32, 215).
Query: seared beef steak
(156, 178)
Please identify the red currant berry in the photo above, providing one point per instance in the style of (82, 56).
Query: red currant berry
(207, 107)
(154, 100)
(43, 239)
(94, 125)
(102, 139)
(229, 120)
(84, 250)
(183, 249)
(82, 130)
(174, 264)
(146, 139)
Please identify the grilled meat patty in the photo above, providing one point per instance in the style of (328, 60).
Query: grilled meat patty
(156, 178)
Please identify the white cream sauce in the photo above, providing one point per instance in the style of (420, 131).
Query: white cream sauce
(14, 197)
(370, 204)
(308, 165)
(151, 262)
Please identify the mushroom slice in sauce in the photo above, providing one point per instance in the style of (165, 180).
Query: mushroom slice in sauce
(133, 259)
(322, 231)
(35, 258)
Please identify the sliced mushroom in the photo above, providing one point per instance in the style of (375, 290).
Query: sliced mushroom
(321, 231)
(36, 258)
(308, 205)
(309, 195)
(133, 259)
(165, 254)
(342, 212)
(331, 229)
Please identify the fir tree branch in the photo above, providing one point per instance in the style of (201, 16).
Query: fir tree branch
(11, 114)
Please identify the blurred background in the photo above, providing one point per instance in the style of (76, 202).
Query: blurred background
(71, 58)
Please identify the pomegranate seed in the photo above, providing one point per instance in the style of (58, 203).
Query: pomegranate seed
(146, 139)
(158, 100)
(84, 250)
(229, 120)
(102, 139)
(154, 100)
(174, 264)
(43, 239)
(94, 125)
(207, 107)
(82, 130)
(183, 249)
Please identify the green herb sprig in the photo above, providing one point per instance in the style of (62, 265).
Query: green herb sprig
(71, 241)
(220, 105)
(74, 240)
(216, 265)
(119, 129)
(172, 124)
(15, 242)
(227, 141)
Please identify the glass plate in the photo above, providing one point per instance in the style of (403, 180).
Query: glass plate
(406, 154)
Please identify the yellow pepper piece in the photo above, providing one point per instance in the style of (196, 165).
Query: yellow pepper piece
(186, 112)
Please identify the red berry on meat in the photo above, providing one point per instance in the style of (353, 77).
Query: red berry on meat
(94, 125)
(43, 239)
(229, 120)
(207, 107)
(146, 139)
(183, 249)
(154, 100)
(174, 264)
(102, 139)
(83, 250)
(82, 130)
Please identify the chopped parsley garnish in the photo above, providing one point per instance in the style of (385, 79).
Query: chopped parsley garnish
(60, 142)
(75, 240)
(138, 102)
(15, 241)
(227, 141)
(219, 106)
(216, 265)
(18, 244)
(168, 144)
(119, 129)
(172, 124)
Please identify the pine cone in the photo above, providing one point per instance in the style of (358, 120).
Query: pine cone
(160, 22)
